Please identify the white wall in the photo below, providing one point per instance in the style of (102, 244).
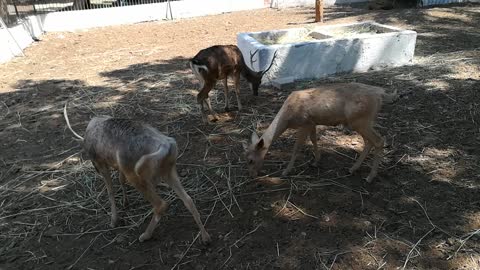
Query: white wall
(35, 26)
(82, 19)
(294, 3)
(23, 35)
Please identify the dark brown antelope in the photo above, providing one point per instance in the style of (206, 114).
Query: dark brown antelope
(143, 156)
(352, 104)
(218, 63)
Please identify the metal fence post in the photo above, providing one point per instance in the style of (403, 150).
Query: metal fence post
(16, 9)
(2, 23)
(169, 8)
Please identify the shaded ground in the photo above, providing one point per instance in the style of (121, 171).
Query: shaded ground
(422, 212)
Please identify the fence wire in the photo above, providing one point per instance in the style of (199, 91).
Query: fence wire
(11, 11)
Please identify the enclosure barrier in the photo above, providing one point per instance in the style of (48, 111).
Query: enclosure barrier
(32, 27)
(15, 10)
(27, 20)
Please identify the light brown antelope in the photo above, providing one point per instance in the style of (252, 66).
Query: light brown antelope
(352, 104)
(143, 156)
(218, 63)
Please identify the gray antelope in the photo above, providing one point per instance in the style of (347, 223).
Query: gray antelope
(352, 104)
(218, 63)
(143, 156)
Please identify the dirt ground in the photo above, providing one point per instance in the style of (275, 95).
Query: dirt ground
(422, 212)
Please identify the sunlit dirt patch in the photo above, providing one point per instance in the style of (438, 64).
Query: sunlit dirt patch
(448, 14)
(438, 85)
(440, 164)
(473, 221)
(467, 70)
(465, 261)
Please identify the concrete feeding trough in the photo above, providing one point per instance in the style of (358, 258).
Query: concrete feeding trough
(315, 52)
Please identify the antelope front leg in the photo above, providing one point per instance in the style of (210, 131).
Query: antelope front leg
(202, 111)
(203, 97)
(371, 139)
(237, 91)
(209, 105)
(225, 89)
(366, 149)
(122, 181)
(377, 152)
(301, 136)
(313, 138)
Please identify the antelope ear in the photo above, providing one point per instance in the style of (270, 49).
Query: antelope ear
(260, 144)
(245, 145)
(254, 138)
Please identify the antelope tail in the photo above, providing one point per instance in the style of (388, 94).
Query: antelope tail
(68, 122)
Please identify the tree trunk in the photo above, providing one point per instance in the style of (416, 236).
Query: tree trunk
(319, 11)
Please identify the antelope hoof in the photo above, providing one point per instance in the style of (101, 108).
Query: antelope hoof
(352, 170)
(316, 162)
(227, 109)
(369, 178)
(144, 236)
(113, 223)
(125, 202)
(206, 239)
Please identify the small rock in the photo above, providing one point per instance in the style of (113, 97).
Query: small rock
(183, 173)
(255, 213)
(111, 261)
(303, 234)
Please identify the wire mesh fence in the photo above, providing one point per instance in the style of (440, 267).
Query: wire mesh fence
(13, 10)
